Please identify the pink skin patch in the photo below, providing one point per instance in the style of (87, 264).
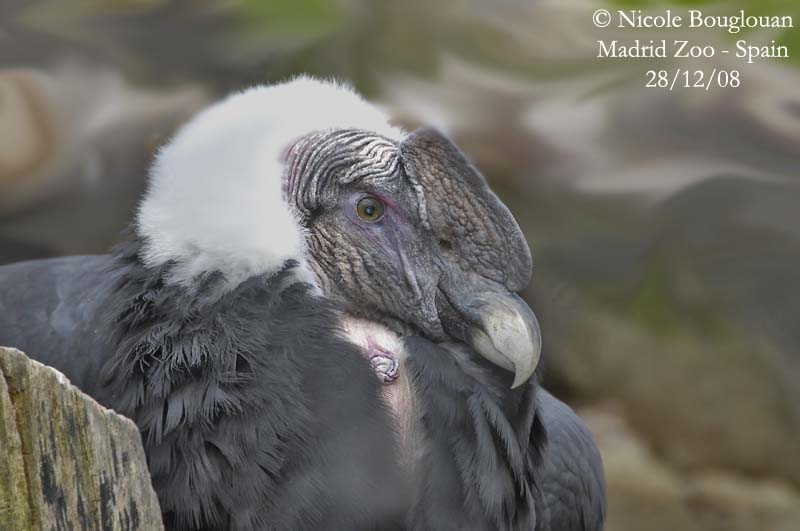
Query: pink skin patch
(381, 346)
(383, 362)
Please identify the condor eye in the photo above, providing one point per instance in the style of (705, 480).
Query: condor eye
(370, 208)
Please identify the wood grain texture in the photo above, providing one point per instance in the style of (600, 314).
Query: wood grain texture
(67, 462)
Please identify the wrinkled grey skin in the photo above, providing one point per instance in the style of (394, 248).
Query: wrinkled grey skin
(446, 257)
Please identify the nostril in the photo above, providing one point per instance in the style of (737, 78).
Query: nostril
(445, 244)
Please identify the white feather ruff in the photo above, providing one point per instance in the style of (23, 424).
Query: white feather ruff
(215, 199)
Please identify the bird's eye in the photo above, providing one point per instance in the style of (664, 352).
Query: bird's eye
(370, 208)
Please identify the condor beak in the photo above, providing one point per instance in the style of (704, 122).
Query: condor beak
(505, 331)
(497, 324)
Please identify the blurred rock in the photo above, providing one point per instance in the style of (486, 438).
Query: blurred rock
(523, 88)
(723, 406)
(67, 462)
(728, 502)
(76, 144)
(646, 494)
(686, 319)
(26, 137)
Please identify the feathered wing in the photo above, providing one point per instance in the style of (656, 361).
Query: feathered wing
(571, 474)
(253, 412)
(48, 310)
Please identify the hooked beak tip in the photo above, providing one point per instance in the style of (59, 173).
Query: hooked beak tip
(507, 333)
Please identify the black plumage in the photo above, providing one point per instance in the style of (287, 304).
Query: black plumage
(254, 412)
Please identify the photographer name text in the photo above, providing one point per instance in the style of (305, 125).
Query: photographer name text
(695, 19)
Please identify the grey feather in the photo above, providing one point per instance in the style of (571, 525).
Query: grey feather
(572, 472)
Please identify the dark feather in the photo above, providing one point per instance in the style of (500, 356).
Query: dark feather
(255, 413)
(483, 441)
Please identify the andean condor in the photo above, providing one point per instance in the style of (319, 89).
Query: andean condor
(291, 246)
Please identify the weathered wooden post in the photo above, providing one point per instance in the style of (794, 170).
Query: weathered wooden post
(65, 461)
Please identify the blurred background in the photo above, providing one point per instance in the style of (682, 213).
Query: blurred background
(665, 225)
